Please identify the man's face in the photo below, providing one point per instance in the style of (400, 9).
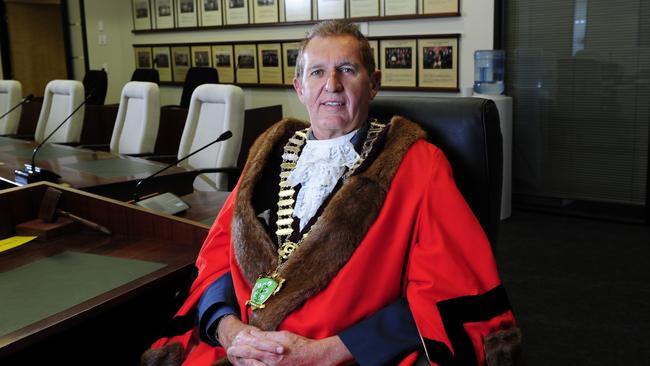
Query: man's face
(335, 86)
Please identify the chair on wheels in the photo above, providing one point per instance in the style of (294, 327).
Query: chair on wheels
(214, 109)
(61, 98)
(96, 82)
(11, 92)
(467, 130)
(150, 75)
(197, 76)
(138, 117)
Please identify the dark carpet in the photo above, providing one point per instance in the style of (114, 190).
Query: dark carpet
(580, 288)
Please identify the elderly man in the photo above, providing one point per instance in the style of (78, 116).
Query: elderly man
(346, 240)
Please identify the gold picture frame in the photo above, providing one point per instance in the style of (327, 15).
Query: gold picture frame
(398, 62)
(180, 62)
(246, 63)
(223, 61)
(438, 63)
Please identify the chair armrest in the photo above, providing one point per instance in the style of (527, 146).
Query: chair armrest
(167, 159)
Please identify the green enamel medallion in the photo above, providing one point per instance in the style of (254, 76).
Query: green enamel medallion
(262, 291)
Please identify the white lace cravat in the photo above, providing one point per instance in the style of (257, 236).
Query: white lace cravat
(320, 165)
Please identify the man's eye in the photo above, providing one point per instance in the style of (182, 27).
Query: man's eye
(348, 70)
(316, 73)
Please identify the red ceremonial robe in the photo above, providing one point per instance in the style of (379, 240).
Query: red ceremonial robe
(397, 228)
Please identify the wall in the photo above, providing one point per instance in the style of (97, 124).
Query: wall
(476, 26)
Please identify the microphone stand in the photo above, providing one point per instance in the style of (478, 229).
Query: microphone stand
(224, 136)
(25, 100)
(32, 173)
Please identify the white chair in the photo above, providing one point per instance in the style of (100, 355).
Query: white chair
(11, 93)
(138, 118)
(60, 99)
(214, 109)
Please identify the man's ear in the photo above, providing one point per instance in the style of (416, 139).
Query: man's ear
(297, 85)
(375, 83)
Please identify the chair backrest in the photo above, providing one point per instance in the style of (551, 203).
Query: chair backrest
(150, 75)
(468, 132)
(214, 109)
(197, 76)
(61, 98)
(11, 92)
(96, 82)
(138, 118)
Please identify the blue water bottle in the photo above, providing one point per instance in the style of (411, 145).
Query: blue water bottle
(488, 71)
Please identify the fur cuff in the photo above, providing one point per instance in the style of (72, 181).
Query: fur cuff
(503, 348)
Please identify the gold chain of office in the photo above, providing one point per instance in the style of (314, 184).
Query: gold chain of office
(285, 197)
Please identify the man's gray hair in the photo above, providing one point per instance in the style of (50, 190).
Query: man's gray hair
(335, 28)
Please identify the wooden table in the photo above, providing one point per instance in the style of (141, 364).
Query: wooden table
(92, 171)
(115, 324)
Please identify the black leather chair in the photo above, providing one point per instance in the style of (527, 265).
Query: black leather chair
(197, 76)
(96, 81)
(468, 132)
(150, 75)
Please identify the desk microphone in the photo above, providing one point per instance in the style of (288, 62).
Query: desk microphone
(32, 173)
(170, 200)
(25, 100)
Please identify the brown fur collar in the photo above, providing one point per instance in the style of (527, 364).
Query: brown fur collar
(333, 238)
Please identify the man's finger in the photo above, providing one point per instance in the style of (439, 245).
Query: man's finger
(258, 341)
(248, 352)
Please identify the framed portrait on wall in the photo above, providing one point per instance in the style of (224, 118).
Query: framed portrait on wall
(246, 64)
(164, 14)
(223, 61)
(290, 52)
(210, 13)
(363, 8)
(143, 58)
(141, 14)
(400, 7)
(201, 56)
(270, 63)
(331, 9)
(180, 62)
(297, 10)
(186, 13)
(162, 63)
(236, 11)
(398, 58)
(265, 11)
(439, 7)
(438, 63)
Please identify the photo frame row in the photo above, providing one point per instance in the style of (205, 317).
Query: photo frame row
(430, 62)
(171, 14)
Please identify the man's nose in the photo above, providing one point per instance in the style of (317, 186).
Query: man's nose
(333, 84)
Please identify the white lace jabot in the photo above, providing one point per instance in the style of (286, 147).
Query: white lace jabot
(320, 165)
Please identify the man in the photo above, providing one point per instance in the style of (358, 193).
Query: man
(340, 245)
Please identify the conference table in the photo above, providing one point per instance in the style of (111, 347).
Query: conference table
(98, 172)
(80, 295)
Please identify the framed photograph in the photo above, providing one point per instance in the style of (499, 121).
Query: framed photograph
(363, 8)
(270, 63)
(141, 14)
(398, 62)
(210, 13)
(297, 10)
(162, 63)
(143, 59)
(265, 11)
(180, 62)
(440, 7)
(400, 7)
(236, 11)
(374, 47)
(290, 52)
(164, 14)
(223, 61)
(438, 63)
(186, 13)
(331, 9)
(201, 56)
(246, 67)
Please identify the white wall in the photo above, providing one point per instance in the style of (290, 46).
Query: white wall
(476, 26)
